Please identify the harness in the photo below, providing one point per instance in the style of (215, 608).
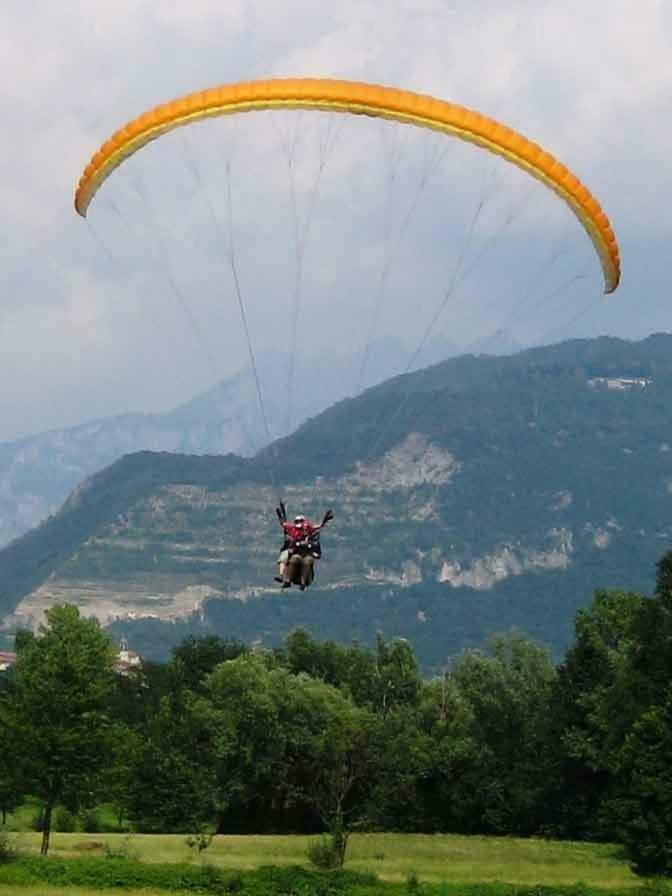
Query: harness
(308, 544)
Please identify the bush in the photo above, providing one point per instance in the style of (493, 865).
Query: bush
(303, 882)
(64, 820)
(655, 886)
(648, 842)
(412, 882)
(7, 851)
(322, 854)
(124, 850)
(199, 842)
(90, 821)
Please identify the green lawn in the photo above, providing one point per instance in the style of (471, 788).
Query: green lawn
(439, 858)
(80, 891)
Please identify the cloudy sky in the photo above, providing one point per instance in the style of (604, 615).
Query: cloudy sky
(134, 308)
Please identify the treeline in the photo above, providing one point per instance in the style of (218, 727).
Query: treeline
(320, 737)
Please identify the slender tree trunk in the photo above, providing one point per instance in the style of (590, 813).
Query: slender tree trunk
(46, 830)
(4, 816)
(339, 835)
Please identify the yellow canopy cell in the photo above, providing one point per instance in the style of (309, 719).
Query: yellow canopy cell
(360, 99)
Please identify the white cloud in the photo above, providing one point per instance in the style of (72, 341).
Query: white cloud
(589, 80)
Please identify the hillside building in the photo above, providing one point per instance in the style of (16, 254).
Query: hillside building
(127, 660)
(619, 383)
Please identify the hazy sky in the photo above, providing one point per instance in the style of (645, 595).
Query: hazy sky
(134, 310)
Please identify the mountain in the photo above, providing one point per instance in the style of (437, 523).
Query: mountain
(37, 473)
(474, 495)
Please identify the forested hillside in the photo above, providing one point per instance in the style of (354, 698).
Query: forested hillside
(475, 495)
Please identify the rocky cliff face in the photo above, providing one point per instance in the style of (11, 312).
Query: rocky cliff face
(483, 573)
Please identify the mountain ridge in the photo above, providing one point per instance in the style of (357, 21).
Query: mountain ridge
(479, 481)
(37, 472)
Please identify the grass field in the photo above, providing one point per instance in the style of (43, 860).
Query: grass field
(79, 891)
(439, 858)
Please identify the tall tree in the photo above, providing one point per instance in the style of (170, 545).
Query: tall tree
(651, 661)
(509, 694)
(10, 782)
(338, 762)
(246, 735)
(286, 740)
(57, 714)
(165, 783)
(637, 712)
(592, 711)
(644, 806)
(447, 757)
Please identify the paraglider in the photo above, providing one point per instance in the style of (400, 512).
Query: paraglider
(301, 545)
(300, 548)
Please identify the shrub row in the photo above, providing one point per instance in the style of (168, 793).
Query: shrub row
(101, 874)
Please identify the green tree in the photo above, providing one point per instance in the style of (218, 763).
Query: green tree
(240, 713)
(645, 806)
(57, 711)
(398, 677)
(119, 779)
(379, 679)
(328, 752)
(338, 765)
(509, 693)
(10, 782)
(196, 657)
(403, 760)
(168, 786)
(635, 712)
(449, 759)
(650, 667)
(594, 707)
(287, 740)
(351, 669)
(326, 660)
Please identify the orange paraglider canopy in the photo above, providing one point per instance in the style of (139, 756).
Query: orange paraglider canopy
(360, 99)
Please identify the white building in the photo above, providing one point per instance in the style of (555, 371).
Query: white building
(127, 660)
(620, 383)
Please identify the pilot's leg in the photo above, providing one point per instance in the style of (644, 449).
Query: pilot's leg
(292, 571)
(306, 571)
(283, 559)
